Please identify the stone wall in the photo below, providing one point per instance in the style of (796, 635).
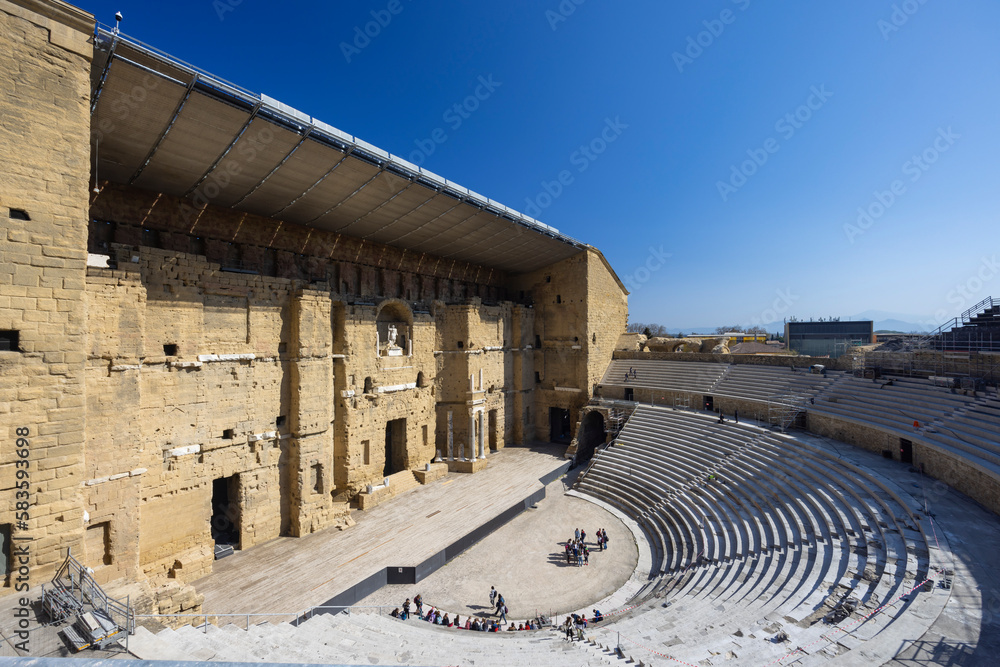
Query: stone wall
(44, 58)
(581, 309)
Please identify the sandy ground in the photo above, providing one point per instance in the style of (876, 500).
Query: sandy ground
(526, 562)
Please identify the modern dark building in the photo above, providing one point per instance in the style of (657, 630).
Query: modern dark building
(820, 339)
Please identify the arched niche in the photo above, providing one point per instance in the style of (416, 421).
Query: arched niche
(394, 329)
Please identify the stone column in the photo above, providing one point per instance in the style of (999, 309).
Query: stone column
(482, 439)
(472, 434)
(451, 437)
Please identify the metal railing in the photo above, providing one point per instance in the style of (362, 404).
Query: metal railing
(80, 579)
(966, 316)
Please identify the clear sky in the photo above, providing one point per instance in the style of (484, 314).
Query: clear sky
(737, 161)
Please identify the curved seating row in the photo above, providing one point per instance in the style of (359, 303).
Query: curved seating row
(760, 523)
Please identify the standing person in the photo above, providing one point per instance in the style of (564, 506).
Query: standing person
(576, 534)
(406, 609)
(586, 555)
(493, 596)
(568, 625)
(736, 416)
(583, 536)
(503, 613)
(500, 603)
(418, 600)
(605, 539)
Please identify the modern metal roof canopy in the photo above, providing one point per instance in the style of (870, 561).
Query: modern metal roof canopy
(166, 126)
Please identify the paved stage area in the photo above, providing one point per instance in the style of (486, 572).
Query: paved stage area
(525, 561)
(291, 574)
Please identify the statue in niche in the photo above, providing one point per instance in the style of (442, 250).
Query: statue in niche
(391, 349)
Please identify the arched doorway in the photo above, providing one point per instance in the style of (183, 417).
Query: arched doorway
(591, 435)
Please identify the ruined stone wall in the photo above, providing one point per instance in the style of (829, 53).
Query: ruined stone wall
(374, 388)
(580, 311)
(44, 57)
(195, 375)
(350, 266)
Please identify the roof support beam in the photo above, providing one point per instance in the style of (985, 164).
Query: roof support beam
(104, 76)
(398, 218)
(335, 206)
(254, 189)
(156, 146)
(214, 165)
(310, 188)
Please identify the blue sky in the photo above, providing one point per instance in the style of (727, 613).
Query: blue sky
(718, 152)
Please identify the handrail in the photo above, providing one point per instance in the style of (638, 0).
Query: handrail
(985, 304)
(964, 318)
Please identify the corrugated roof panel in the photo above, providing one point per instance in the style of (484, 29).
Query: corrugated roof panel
(203, 130)
(257, 152)
(132, 112)
(309, 163)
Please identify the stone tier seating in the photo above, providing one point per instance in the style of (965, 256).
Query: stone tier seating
(960, 425)
(699, 377)
(758, 525)
(760, 383)
(963, 426)
(363, 638)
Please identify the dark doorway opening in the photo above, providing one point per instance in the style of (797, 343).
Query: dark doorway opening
(493, 430)
(5, 551)
(591, 436)
(709, 403)
(226, 511)
(395, 447)
(559, 426)
(629, 394)
(905, 450)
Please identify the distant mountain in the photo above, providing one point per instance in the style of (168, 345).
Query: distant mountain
(901, 326)
(905, 322)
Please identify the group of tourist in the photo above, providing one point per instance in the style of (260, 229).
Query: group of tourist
(435, 616)
(630, 373)
(576, 547)
(576, 550)
(577, 623)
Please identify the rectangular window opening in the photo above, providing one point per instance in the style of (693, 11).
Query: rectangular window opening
(228, 434)
(19, 214)
(170, 349)
(317, 477)
(10, 340)
(280, 421)
(97, 544)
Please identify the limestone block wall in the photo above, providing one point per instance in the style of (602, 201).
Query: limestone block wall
(44, 56)
(172, 412)
(581, 309)
(311, 412)
(349, 265)
(373, 388)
